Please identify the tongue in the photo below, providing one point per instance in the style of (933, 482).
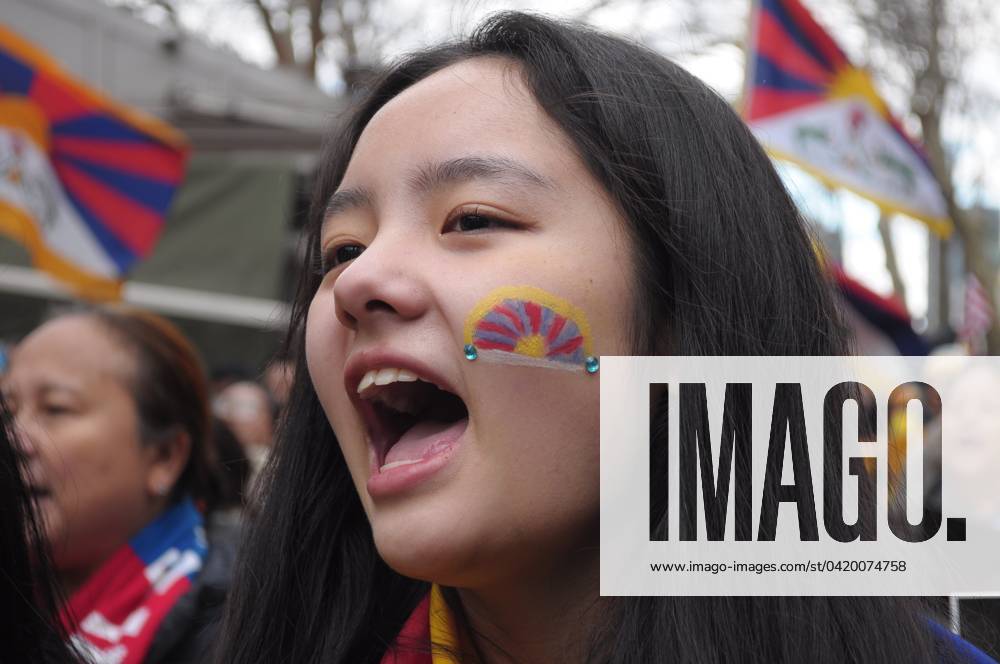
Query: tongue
(425, 438)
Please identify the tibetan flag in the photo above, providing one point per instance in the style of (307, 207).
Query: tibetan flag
(85, 183)
(809, 105)
(878, 322)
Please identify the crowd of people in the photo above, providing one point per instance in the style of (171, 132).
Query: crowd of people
(421, 500)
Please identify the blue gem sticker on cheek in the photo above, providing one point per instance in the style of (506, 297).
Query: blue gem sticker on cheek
(527, 326)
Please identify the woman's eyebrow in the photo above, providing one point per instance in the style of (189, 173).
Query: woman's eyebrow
(50, 387)
(348, 199)
(462, 169)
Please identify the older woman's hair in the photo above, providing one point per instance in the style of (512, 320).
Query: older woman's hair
(723, 265)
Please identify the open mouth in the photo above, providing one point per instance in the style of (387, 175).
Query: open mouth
(409, 419)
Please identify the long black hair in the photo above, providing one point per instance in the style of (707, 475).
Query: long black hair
(724, 266)
(31, 630)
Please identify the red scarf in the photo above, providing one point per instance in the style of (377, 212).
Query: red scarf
(430, 623)
(119, 608)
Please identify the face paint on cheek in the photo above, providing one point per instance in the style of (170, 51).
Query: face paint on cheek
(527, 326)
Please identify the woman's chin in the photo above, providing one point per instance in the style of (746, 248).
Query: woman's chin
(427, 552)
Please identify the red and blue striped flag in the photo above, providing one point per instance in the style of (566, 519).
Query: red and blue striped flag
(809, 105)
(85, 183)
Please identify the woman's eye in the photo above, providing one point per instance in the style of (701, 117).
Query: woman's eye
(468, 222)
(340, 255)
(346, 253)
(474, 222)
(55, 409)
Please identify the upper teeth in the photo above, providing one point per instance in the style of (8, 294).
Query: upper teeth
(385, 376)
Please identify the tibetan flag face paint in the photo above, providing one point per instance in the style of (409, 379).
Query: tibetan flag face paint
(527, 326)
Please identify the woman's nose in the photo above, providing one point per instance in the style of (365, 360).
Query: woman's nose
(386, 282)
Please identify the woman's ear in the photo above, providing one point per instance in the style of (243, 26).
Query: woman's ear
(166, 460)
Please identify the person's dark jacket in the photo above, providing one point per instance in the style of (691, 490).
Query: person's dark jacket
(187, 633)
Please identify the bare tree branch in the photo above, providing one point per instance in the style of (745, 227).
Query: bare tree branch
(171, 11)
(281, 40)
(346, 34)
(316, 35)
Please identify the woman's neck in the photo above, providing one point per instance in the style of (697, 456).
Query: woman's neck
(547, 617)
(73, 578)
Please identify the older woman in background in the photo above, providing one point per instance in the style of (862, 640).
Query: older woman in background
(112, 414)
(248, 410)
